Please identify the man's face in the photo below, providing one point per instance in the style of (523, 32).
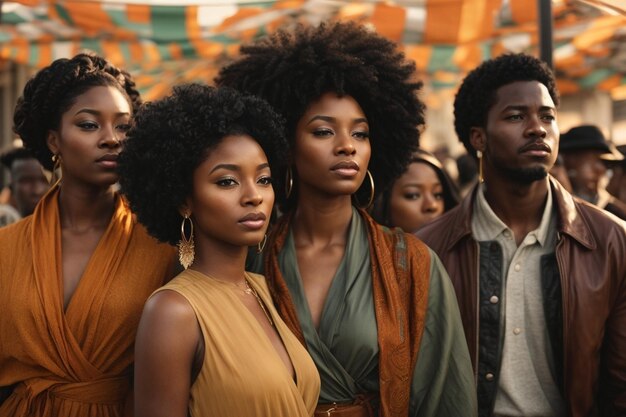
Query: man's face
(585, 170)
(28, 184)
(521, 137)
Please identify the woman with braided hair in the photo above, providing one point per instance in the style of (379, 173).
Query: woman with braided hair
(374, 307)
(74, 275)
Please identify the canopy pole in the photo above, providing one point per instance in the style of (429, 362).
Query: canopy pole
(544, 8)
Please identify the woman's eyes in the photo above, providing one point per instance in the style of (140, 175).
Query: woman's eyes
(229, 182)
(322, 132)
(328, 132)
(88, 125)
(124, 127)
(226, 182)
(415, 196)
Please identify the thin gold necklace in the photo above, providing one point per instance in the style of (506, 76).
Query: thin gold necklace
(250, 290)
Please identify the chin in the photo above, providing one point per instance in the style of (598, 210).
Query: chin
(527, 175)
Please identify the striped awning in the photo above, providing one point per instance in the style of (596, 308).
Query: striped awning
(167, 42)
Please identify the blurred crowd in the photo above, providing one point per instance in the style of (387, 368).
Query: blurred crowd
(277, 244)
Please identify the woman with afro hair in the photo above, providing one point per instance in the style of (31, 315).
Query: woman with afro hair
(210, 342)
(374, 307)
(75, 274)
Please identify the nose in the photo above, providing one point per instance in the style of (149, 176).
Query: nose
(251, 195)
(599, 167)
(429, 203)
(344, 145)
(41, 187)
(535, 127)
(110, 138)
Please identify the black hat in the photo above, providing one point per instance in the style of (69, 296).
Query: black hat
(588, 137)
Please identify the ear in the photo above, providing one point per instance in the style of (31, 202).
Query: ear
(185, 208)
(478, 138)
(52, 140)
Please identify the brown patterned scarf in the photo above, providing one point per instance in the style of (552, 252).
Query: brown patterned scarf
(400, 279)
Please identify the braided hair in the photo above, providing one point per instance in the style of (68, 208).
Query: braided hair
(53, 90)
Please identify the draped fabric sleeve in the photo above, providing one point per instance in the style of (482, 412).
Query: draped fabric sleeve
(443, 380)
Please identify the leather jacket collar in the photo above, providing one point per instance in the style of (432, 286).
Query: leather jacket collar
(570, 221)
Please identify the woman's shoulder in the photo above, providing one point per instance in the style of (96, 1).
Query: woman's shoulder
(181, 283)
(399, 241)
(13, 234)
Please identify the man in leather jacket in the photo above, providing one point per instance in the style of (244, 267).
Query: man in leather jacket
(539, 275)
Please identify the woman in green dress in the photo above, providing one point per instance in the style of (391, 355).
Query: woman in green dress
(374, 307)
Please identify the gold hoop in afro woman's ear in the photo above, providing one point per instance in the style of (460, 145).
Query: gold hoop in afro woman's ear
(372, 192)
(288, 182)
(186, 252)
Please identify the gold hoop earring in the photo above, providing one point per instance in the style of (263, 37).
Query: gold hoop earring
(55, 177)
(186, 251)
(372, 192)
(288, 182)
(261, 245)
(479, 155)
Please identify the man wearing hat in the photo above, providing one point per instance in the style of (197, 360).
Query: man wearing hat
(585, 153)
(617, 184)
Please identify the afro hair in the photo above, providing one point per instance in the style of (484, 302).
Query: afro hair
(292, 69)
(478, 91)
(53, 90)
(171, 137)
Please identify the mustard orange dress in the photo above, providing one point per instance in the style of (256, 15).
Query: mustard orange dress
(242, 374)
(75, 362)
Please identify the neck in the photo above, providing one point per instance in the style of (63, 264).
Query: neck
(322, 221)
(219, 260)
(519, 206)
(85, 208)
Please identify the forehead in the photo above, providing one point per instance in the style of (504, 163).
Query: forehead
(236, 148)
(582, 155)
(419, 173)
(522, 94)
(101, 98)
(28, 166)
(331, 103)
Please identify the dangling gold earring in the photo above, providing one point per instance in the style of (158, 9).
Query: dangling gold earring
(479, 154)
(55, 177)
(261, 245)
(372, 191)
(185, 246)
(288, 182)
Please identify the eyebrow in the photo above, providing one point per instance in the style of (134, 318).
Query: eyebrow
(522, 107)
(330, 119)
(98, 113)
(420, 184)
(233, 167)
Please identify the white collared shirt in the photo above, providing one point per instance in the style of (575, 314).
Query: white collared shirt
(527, 385)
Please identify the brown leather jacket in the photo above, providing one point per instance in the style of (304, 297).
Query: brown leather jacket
(591, 260)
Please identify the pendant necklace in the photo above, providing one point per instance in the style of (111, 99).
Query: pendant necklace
(250, 290)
